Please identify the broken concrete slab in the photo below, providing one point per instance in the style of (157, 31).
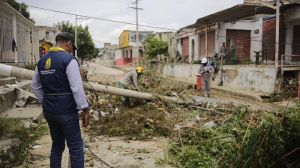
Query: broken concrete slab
(9, 81)
(8, 95)
(209, 124)
(7, 98)
(23, 97)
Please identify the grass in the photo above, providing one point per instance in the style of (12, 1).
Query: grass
(248, 139)
(12, 129)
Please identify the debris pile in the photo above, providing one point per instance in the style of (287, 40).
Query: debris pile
(153, 83)
(201, 135)
(141, 122)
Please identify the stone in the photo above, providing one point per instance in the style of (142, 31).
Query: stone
(209, 124)
(11, 156)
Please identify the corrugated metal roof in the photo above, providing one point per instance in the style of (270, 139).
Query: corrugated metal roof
(231, 14)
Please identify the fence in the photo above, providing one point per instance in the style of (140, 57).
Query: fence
(290, 62)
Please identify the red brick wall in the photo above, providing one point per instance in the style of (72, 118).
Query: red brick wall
(202, 45)
(269, 38)
(185, 48)
(211, 43)
(268, 45)
(241, 40)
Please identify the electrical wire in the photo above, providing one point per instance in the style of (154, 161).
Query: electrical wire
(102, 19)
(97, 157)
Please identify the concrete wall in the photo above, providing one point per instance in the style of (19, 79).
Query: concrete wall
(178, 46)
(182, 71)
(260, 79)
(194, 56)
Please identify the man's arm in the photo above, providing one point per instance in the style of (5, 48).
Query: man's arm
(76, 85)
(37, 86)
(201, 70)
(211, 69)
(135, 81)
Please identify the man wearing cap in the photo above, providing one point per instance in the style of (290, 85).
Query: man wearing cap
(58, 86)
(131, 79)
(206, 71)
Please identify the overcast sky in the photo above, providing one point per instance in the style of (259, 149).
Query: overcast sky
(172, 14)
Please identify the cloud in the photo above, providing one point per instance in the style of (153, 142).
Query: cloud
(161, 13)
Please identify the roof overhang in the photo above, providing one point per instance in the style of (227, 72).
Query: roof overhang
(234, 13)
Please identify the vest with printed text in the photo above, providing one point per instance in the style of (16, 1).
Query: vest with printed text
(58, 97)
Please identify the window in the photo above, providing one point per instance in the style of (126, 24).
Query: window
(133, 38)
(47, 35)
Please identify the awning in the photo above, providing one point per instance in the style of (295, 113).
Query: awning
(232, 14)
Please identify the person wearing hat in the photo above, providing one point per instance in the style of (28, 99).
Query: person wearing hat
(206, 71)
(59, 88)
(130, 80)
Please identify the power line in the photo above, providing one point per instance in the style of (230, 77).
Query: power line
(102, 19)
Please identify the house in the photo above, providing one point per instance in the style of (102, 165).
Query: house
(107, 54)
(127, 43)
(183, 37)
(240, 26)
(46, 36)
(291, 16)
(168, 37)
(246, 29)
(18, 37)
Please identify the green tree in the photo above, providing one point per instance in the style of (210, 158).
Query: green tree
(22, 8)
(154, 47)
(85, 44)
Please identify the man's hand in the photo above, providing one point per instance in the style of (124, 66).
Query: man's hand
(86, 117)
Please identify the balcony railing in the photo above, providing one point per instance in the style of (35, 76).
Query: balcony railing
(290, 62)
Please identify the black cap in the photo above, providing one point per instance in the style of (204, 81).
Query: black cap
(65, 36)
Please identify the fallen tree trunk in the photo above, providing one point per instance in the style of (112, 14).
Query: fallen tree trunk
(125, 92)
(7, 70)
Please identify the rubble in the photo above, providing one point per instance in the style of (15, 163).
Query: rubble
(23, 97)
(210, 124)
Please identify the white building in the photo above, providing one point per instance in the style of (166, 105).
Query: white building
(18, 37)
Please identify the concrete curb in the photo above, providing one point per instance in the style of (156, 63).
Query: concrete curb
(243, 94)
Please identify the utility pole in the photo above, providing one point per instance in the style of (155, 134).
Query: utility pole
(137, 47)
(76, 35)
(278, 4)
